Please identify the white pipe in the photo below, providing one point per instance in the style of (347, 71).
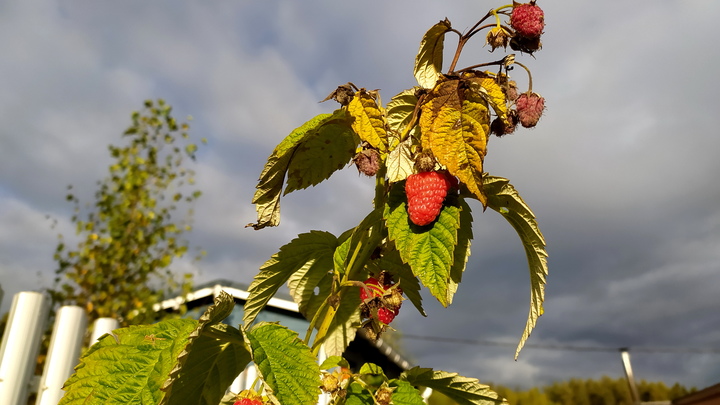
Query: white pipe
(102, 326)
(63, 353)
(20, 344)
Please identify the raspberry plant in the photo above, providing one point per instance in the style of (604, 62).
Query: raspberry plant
(435, 134)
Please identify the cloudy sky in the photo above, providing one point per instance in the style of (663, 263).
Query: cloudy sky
(621, 171)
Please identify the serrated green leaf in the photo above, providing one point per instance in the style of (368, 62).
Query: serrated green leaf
(462, 250)
(429, 250)
(358, 395)
(405, 394)
(391, 262)
(128, 366)
(334, 361)
(428, 62)
(310, 253)
(463, 390)
(284, 160)
(455, 128)
(285, 363)
(371, 368)
(343, 327)
(503, 198)
(214, 355)
(368, 120)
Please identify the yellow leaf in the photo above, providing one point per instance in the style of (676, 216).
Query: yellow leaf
(455, 128)
(488, 88)
(428, 62)
(369, 120)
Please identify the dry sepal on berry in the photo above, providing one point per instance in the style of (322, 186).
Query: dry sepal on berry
(367, 161)
(530, 107)
(425, 193)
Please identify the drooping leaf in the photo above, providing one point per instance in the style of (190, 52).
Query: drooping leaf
(428, 62)
(285, 363)
(429, 250)
(368, 120)
(310, 253)
(405, 394)
(463, 390)
(214, 355)
(391, 262)
(503, 198)
(130, 365)
(462, 250)
(455, 126)
(309, 155)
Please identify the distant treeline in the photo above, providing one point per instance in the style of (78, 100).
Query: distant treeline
(606, 391)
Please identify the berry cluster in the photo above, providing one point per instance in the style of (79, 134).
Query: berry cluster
(381, 302)
(426, 192)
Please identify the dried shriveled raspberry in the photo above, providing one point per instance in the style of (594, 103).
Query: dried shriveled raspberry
(501, 128)
(426, 192)
(528, 20)
(530, 107)
(367, 162)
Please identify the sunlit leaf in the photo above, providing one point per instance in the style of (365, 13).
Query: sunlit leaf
(333, 145)
(503, 198)
(310, 253)
(130, 365)
(462, 390)
(399, 162)
(405, 394)
(400, 110)
(286, 364)
(368, 120)
(343, 327)
(429, 250)
(214, 355)
(455, 129)
(428, 62)
(489, 89)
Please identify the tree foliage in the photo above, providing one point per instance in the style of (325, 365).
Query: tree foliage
(129, 236)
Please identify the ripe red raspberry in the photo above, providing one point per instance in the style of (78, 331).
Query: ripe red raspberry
(529, 107)
(247, 401)
(386, 315)
(528, 20)
(426, 192)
